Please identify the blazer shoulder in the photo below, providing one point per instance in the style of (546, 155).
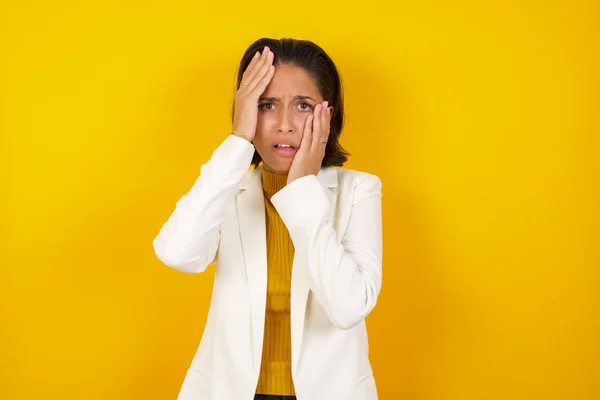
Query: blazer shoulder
(357, 186)
(355, 177)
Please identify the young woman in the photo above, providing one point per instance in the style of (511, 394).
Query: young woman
(296, 240)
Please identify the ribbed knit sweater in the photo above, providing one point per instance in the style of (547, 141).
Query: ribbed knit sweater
(275, 372)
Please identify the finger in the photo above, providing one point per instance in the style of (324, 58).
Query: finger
(251, 65)
(307, 134)
(326, 122)
(260, 73)
(255, 64)
(324, 119)
(264, 82)
(256, 60)
(317, 126)
(323, 135)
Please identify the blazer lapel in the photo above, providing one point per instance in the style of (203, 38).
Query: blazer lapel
(251, 219)
(300, 289)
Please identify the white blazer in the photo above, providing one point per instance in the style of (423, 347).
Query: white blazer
(334, 220)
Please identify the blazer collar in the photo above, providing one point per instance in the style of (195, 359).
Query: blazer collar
(327, 177)
(251, 217)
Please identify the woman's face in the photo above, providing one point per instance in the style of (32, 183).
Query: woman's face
(283, 108)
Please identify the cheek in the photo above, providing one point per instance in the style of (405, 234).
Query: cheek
(300, 118)
(264, 122)
(263, 129)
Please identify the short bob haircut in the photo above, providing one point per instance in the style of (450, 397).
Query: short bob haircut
(313, 59)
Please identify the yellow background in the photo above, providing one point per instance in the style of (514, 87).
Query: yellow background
(481, 118)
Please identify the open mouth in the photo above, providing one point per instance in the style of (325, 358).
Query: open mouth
(284, 149)
(284, 146)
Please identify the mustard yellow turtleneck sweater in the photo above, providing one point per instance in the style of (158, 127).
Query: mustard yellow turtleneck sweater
(275, 372)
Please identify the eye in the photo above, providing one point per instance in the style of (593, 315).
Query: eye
(305, 106)
(266, 106)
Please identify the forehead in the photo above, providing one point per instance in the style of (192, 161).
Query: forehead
(290, 80)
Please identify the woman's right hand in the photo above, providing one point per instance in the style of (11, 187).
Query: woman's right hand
(255, 79)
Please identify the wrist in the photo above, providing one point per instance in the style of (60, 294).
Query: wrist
(293, 177)
(240, 134)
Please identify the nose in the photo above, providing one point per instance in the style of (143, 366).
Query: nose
(285, 124)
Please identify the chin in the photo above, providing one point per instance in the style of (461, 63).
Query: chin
(279, 166)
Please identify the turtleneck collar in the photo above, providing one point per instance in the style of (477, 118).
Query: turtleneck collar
(272, 182)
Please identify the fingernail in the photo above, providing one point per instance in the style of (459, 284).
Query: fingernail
(256, 55)
(325, 104)
(266, 49)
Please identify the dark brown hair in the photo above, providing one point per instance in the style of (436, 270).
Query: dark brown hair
(313, 59)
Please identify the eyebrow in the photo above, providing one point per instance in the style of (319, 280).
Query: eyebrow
(298, 97)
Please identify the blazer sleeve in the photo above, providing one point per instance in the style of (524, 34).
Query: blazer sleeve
(345, 275)
(189, 239)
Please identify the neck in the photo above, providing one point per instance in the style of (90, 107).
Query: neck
(273, 182)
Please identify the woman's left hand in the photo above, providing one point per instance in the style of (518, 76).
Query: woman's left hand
(310, 154)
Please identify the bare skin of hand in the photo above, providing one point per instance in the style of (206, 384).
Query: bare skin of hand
(255, 79)
(309, 156)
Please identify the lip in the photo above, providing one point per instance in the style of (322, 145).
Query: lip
(285, 151)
